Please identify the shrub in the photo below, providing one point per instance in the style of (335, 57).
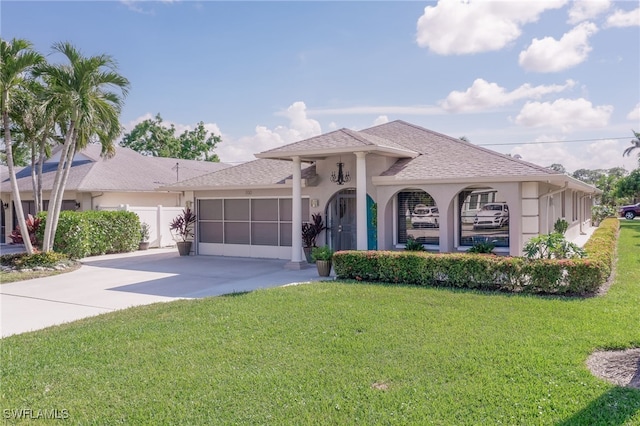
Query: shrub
(311, 230)
(145, 232)
(561, 226)
(551, 246)
(321, 253)
(26, 261)
(48, 259)
(91, 233)
(482, 245)
(577, 276)
(599, 213)
(413, 245)
(33, 224)
(182, 225)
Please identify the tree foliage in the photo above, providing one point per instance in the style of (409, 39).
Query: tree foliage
(603, 179)
(558, 168)
(17, 61)
(629, 186)
(155, 138)
(635, 144)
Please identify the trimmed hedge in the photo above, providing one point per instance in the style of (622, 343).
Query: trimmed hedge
(488, 272)
(92, 233)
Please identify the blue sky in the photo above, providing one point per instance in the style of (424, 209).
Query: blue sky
(262, 74)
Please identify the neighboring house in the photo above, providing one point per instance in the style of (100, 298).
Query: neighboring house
(128, 178)
(256, 209)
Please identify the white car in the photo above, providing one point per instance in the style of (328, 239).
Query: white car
(423, 216)
(492, 215)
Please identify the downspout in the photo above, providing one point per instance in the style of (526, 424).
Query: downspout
(93, 197)
(549, 195)
(582, 212)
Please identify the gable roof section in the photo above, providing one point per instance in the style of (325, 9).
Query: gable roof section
(257, 173)
(444, 157)
(127, 171)
(338, 142)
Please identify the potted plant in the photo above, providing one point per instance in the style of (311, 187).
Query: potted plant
(182, 228)
(322, 256)
(310, 231)
(144, 236)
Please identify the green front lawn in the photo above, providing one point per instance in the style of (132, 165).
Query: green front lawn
(338, 353)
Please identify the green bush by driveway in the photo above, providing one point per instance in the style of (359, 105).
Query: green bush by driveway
(338, 353)
(92, 233)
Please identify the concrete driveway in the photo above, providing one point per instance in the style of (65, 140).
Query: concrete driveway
(112, 282)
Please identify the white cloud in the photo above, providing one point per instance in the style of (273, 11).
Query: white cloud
(634, 114)
(180, 128)
(583, 10)
(243, 149)
(564, 114)
(333, 126)
(551, 55)
(455, 27)
(604, 154)
(622, 18)
(380, 120)
(133, 5)
(483, 95)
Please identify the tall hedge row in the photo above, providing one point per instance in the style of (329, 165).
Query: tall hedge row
(488, 272)
(92, 233)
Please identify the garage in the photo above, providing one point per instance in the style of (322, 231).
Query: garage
(247, 227)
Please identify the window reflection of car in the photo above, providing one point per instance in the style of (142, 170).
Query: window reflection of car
(424, 216)
(492, 215)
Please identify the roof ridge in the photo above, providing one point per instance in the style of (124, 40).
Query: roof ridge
(470, 144)
(357, 135)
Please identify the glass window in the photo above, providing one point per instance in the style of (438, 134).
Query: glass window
(486, 220)
(418, 217)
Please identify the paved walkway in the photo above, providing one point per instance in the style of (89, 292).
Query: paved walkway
(112, 282)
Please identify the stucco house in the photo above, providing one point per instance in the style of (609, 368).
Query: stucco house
(98, 183)
(377, 187)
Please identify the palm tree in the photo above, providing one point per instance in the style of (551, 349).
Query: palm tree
(80, 97)
(635, 144)
(17, 59)
(36, 127)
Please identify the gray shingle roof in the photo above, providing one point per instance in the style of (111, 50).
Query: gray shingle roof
(261, 172)
(444, 157)
(338, 140)
(430, 156)
(127, 171)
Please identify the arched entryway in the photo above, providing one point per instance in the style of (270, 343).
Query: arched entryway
(341, 217)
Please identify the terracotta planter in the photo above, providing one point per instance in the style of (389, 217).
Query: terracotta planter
(324, 267)
(144, 245)
(184, 247)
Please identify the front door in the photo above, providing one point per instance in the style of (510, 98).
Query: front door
(341, 220)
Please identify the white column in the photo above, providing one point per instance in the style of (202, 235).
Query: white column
(296, 218)
(361, 201)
